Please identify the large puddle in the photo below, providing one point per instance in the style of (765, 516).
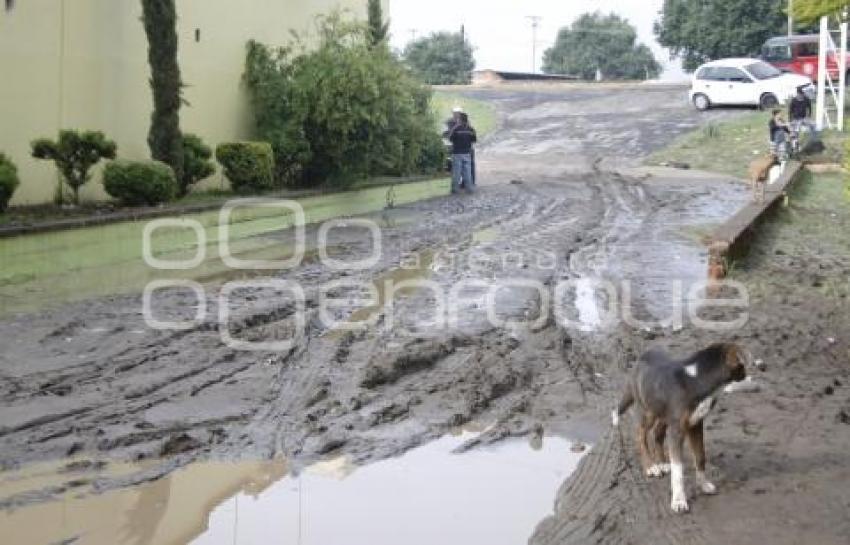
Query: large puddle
(490, 496)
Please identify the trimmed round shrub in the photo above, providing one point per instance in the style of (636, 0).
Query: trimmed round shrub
(8, 180)
(140, 182)
(248, 165)
(196, 162)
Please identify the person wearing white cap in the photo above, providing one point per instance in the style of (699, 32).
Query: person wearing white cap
(454, 119)
(462, 136)
(466, 177)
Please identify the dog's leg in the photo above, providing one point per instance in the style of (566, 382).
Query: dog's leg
(643, 430)
(678, 499)
(625, 402)
(696, 441)
(661, 459)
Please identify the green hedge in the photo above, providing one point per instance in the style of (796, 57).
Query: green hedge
(8, 180)
(433, 155)
(341, 109)
(248, 165)
(140, 182)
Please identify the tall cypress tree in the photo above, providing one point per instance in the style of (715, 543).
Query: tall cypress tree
(164, 138)
(378, 28)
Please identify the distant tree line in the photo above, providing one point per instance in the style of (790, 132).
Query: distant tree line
(443, 58)
(604, 44)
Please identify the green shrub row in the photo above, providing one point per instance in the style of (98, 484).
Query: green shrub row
(248, 165)
(75, 153)
(342, 110)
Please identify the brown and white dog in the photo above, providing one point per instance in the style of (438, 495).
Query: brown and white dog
(674, 396)
(758, 172)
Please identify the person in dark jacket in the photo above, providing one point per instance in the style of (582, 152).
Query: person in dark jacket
(457, 111)
(779, 132)
(799, 112)
(462, 136)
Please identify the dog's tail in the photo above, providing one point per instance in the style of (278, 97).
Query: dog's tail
(626, 401)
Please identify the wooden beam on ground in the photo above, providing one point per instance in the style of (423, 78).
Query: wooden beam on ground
(731, 240)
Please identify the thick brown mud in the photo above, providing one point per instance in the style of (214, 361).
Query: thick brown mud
(559, 201)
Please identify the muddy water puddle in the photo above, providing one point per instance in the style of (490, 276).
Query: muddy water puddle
(490, 495)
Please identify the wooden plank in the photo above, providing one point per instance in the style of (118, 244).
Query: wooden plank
(732, 238)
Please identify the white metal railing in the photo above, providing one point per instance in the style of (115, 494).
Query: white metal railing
(826, 48)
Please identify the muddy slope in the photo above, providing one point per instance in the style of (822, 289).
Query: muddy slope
(778, 455)
(91, 379)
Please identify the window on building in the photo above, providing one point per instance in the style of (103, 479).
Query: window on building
(10, 4)
(197, 34)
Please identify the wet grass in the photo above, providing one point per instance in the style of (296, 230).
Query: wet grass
(819, 213)
(805, 243)
(46, 213)
(51, 268)
(727, 147)
(482, 115)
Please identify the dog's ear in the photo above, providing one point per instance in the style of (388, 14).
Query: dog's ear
(736, 359)
(733, 355)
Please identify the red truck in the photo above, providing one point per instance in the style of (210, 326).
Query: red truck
(799, 54)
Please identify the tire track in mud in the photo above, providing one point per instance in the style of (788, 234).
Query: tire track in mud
(352, 382)
(607, 491)
(307, 386)
(547, 228)
(159, 369)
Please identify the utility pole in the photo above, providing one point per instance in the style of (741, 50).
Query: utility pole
(413, 32)
(535, 22)
(790, 18)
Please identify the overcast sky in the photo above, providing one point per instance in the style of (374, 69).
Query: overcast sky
(501, 33)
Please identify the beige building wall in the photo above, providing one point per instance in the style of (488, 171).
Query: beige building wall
(82, 64)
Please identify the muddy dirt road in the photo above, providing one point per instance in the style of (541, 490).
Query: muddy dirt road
(561, 204)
